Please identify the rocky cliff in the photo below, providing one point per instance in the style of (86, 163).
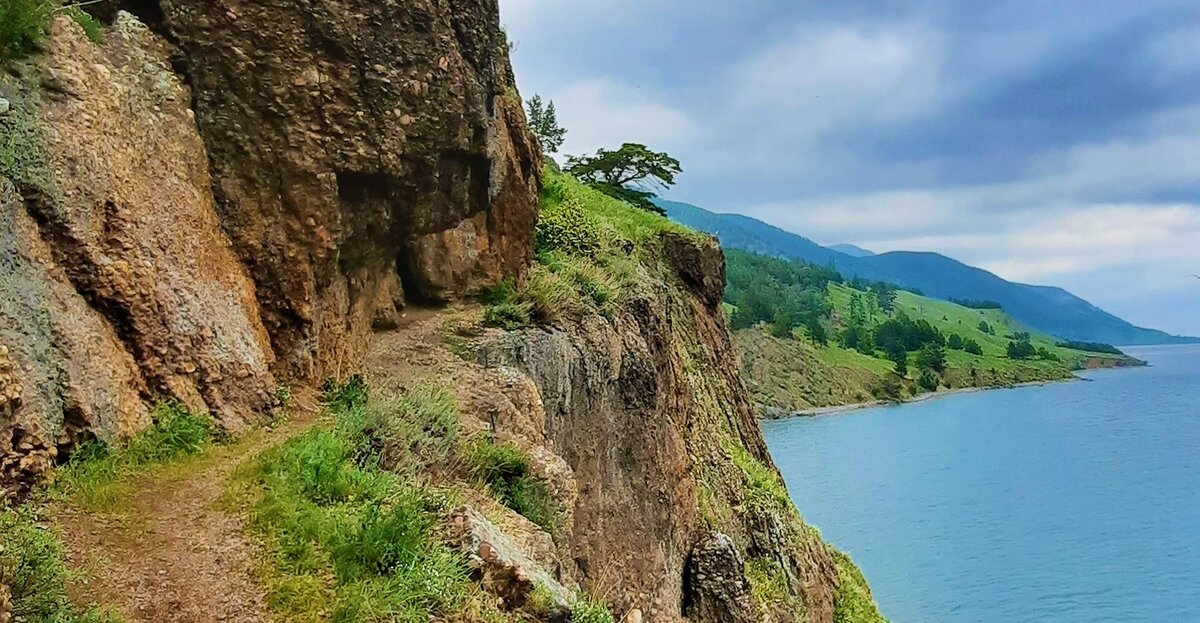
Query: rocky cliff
(220, 194)
(675, 484)
(221, 197)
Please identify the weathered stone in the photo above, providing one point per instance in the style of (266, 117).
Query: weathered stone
(411, 159)
(5, 105)
(715, 584)
(645, 409)
(502, 567)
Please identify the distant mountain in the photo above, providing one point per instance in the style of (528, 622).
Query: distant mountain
(850, 250)
(1047, 309)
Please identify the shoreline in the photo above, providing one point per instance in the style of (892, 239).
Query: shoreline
(945, 393)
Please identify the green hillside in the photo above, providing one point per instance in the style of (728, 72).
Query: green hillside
(1049, 309)
(810, 339)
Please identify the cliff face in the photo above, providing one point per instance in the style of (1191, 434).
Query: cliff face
(242, 192)
(363, 152)
(677, 497)
(192, 220)
(117, 284)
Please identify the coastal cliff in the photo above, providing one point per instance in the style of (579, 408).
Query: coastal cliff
(213, 207)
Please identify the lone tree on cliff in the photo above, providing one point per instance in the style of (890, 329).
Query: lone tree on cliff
(631, 173)
(543, 121)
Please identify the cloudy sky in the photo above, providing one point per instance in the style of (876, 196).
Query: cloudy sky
(1051, 142)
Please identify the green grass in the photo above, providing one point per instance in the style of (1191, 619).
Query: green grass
(852, 603)
(764, 489)
(587, 609)
(505, 471)
(90, 25)
(614, 218)
(592, 251)
(348, 540)
(100, 477)
(350, 511)
(33, 567)
(23, 23)
(769, 588)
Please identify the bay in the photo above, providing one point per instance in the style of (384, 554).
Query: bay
(1067, 502)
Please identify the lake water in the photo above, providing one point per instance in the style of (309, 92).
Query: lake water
(1071, 502)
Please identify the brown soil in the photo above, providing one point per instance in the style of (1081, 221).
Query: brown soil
(174, 555)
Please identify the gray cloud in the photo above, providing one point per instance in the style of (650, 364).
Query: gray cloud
(1053, 142)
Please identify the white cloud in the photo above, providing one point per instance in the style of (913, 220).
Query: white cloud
(598, 112)
(823, 78)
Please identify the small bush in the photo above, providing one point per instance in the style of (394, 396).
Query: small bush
(549, 296)
(508, 315)
(91, 27)
(506, 472)
(928, 380)
(22, 24)
(589, 610)
(566, 227)
(415, 431)
(500, 292)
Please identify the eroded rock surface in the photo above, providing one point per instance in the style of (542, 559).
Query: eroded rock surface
(362, 154)
(649, 413)
(118, 284)
(353, 142)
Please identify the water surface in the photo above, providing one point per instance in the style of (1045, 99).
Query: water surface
(1070, 502)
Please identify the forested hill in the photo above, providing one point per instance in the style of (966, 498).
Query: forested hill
(1047, 309)
(809, 338)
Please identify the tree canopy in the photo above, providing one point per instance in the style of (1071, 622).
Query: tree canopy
(543, 122)
(632, 173)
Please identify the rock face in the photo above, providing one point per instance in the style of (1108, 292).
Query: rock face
(364, 152)
(117, 285)
(650, 414)
(193, 220)
(717, 589)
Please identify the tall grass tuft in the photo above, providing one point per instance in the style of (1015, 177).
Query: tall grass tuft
(350, 539)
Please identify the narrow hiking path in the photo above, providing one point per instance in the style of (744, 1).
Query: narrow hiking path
(174, 553)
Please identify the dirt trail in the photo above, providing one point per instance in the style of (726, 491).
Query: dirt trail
(174, 555)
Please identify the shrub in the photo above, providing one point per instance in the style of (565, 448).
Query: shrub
(932, 357)
(506, 472)
(91, 27)
(22, 24)
(502, 291)
(566, 227)
(928, 380)
(548, 296)
(417, 429)
(1021, 349)
(509, 316)
(589, 610)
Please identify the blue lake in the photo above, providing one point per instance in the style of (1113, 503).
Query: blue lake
(1070, 502)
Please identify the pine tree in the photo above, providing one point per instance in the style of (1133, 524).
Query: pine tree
(543, 122)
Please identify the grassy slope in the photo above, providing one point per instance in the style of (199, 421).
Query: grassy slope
(795, 375)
